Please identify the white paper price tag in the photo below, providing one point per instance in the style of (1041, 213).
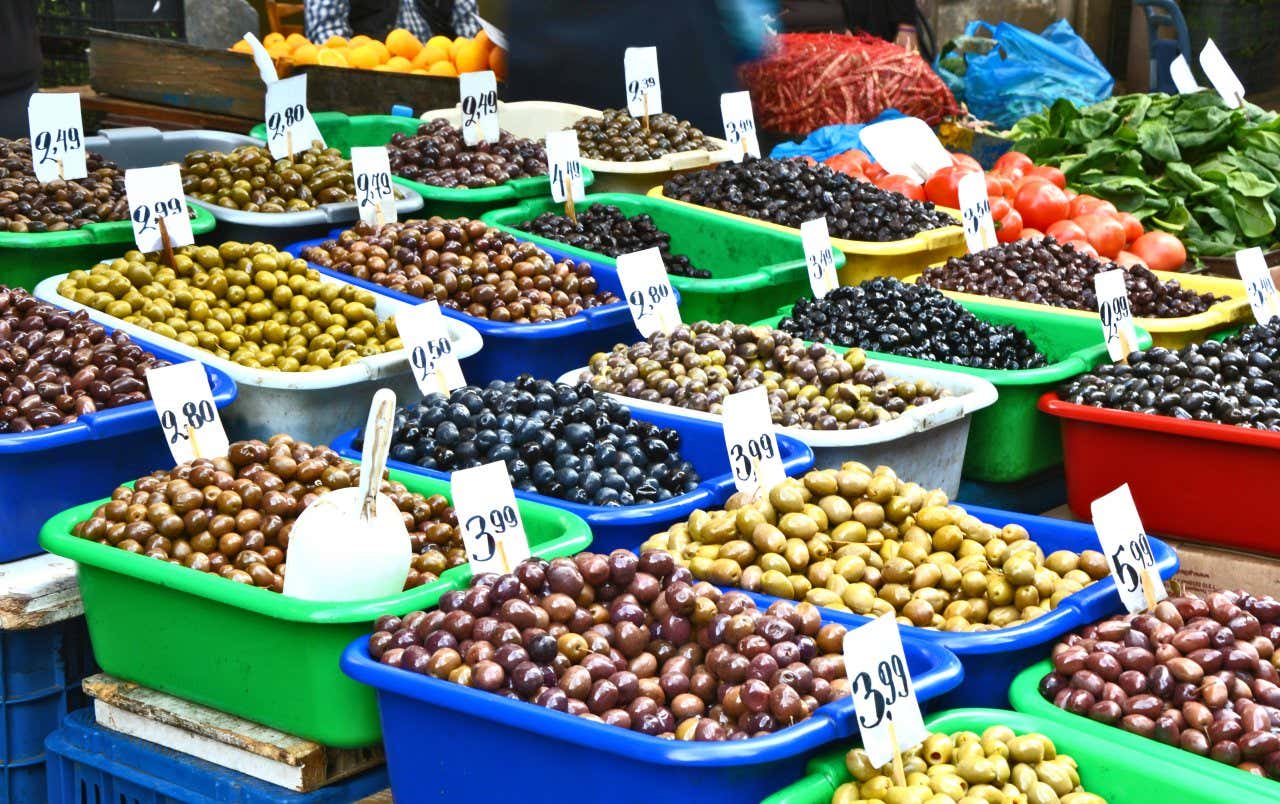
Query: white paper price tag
(739, 124)
(57, 136)
(1183, 80)
(425, 336)
(479, 93)
(266, 65)
(290, 126)
(648, 290)
(492, 531)
(1128, 552)
(184, 402)
(155, 194)
(753, 450)
(564, 166)
(495, 33)
(1258, 284)
(906, 145)
(819, 257)
(1221, 75)
(644, 91)
(1115, 313)
(975, 209)
(884, 698)
(375, 194)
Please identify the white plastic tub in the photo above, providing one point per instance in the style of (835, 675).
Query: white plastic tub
(924, 444)
(314, 406)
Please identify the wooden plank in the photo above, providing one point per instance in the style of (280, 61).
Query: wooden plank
(38, 591)
(381, 797)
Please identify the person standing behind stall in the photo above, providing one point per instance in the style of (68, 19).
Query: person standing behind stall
(376, 18)
(20, 68)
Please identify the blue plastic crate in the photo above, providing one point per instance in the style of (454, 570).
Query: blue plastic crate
(702, 444)
(433, 730)
(92, 765)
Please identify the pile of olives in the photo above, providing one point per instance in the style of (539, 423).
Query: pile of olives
(233, 515)
(631, 641)
(811, 387)
(251, 180)
(26, 205)
(791, 191)
(1044, 271)
(56, 365)
(965, 766)
(866, 542)
(605, 229)
(885, 315)
(437, 155)
(616, 136)
(465, 265)
(243, 302)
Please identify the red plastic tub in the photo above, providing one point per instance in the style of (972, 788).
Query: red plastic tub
(1176, 470)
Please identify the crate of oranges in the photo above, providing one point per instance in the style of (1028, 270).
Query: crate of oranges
(400, 52)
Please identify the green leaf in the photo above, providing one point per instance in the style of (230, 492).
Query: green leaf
(1155, 139)
(1182, 177)
(1256, 217)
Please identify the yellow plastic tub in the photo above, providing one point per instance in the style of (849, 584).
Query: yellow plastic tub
(1171, 333)
(867, 259)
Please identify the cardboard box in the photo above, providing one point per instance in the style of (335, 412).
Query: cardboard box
(1205, 568)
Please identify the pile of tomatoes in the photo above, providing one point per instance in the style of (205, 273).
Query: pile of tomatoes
(1030, 201)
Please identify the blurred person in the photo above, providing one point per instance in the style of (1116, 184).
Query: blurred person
(20, 70)
(376, 18)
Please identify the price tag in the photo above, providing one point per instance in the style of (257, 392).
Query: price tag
(739, 124)
(57, 136)
(155, 194)
(492, 531)
(884, 698)
(1258, 284)
(819, 257)
(266, 65)
(190, 421)
(564, 165)
(1180, 71)
(906, 145)
(1128, 551)
(1115, 314)
(648, 290)
(1221, 75)
(425, 335)
(375, 194)
(496, 36)
(644, 92)
(975, 209)
(479, 93)
(748, 436)
(290, 126)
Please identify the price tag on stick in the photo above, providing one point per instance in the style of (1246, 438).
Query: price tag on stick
(479, 92)
(884, 698)
(644, 91)
(1258, 284)
(189, 418)
(158, 208)
(57, 136)
(1115, 314)
(290, 126)
(375, 194)
(906, 145)
(1183, 80)
(492, 531)
(975, 209)
(1128, 551)
(1221, 75)
(648, 291)
(754, 456)
(564, 169)
(819, 257)
(739, 124)
(425, 335)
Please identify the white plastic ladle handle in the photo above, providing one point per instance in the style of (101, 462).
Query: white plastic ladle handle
(377, 443)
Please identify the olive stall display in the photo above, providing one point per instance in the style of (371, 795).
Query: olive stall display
(56, 365)
(27, 205)
(606, 229)
(867, 542)
(996, 765)
(1200, 674)
(789, 192)
(465, 265)
(886, 315)
(616, 136)
(562, 441)
(251, 180)
(1044, 271)
(634, 642)
(809, 386)
(232, 516)
(244, 302)
(437, 155)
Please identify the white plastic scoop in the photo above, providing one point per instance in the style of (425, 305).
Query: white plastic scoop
(351, 544)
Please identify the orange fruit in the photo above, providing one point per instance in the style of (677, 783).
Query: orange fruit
(471, 58)
(278, 51)
(440, 42)
(360, 39)
(335, 42)
(430, 54)
(403, 43)
(364, 57)
(384, 55)
(330, 57)
(400, 64)
(483, 38)
(498, 63)
(273, 38)
(418, 71)
(295, 41)
(306, 54)
(241, 47)
(456, 45)
(442, 68)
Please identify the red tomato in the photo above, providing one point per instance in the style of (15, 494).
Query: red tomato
(1009, 227)
(999, 207)
(943, 187)
(1029, 233)
(1161, 251)
(1083, 204)
(1066, 230)
(965, 161)
(874, 170)
(1084, 247)
(851, 162)
(1132, 226)
(903, 185)
(1070, 193)
(1054, 175)
(1014, 160)
(1129, 258)
(1040, 203)
(1104, 233)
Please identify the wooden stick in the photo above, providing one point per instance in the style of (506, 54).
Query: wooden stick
(60, 176)
(441, 382)
(899, 774)
(569, 208)
(1148, 588)
(165, 243)
(646, 111)
(502, 554)
(195, 445)
(288, 142)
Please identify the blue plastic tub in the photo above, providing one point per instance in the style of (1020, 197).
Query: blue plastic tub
(544, 350)
(92, 765)
(46, 471)
(433, 731)
(702, 444)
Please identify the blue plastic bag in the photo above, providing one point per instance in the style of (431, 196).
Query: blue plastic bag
(826, 142)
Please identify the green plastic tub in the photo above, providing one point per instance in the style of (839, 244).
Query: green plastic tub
(1013, 439)
(1196, 778)
(751, 267)
(248, 651)
(1119, 774)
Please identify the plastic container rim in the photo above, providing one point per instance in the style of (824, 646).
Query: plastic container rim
(103, 233)
(1055, 405)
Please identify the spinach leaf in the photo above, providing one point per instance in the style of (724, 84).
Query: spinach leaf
(1155, 139)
